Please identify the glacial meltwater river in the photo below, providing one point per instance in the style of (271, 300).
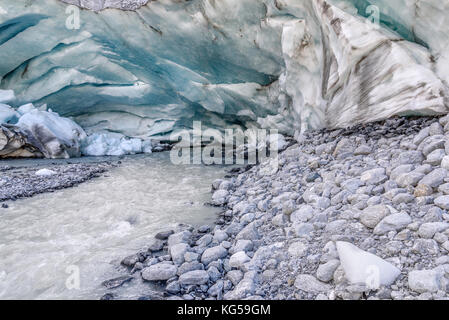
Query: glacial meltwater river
(47, 239)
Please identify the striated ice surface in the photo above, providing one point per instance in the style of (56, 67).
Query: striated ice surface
(155, 66)
(7, 96)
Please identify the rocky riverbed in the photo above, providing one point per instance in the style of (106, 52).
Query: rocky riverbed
(27, 180)
(360, 213)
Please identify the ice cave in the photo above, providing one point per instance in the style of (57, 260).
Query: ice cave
(144, 69)
(352, 204)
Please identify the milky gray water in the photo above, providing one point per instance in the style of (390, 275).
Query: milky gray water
(47, 239)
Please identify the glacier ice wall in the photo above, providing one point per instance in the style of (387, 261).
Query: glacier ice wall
(156, 66)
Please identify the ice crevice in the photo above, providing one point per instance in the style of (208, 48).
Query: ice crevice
(145, 69)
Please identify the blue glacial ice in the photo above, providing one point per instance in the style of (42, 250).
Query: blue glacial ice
(145, 69)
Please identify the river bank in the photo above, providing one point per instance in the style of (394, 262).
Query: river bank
(27, 181)
(63, 244)
(348, 214)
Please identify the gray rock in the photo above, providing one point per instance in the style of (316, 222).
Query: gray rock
(409, 179)
(428, 230)
(352, 185)
(159, 272)
(204, 241)
(191, 256)
(310, 284)
(410, 157)
(303, 214)
(403, 198)
(220, 197)
(156, 245)
(393, 222)
(303, 229)
(190, 266)
(117, 282)
(445, 163)
(180, 237)
(220, 236)
(279, 220)
(196, 277)
(234, 228)
(442, 202)
(371, 216)
(212, 254)
(422, 190)
(432, 143)
(216, 290)
(435, 157)
(177, 252)
(173, 287)
(164, 234)
(426, 247)
(288, 207)
(214, 273)
(248, 233)
(444, 188)
(242, 245)
(246, 287)
(203, 229)
(298, 249)
(374, 176)
(234, 276)
(130, 261)
(363, 150)
(424, 133)
(435, 178)
(238, 259)
(326, 271)
(436, 129)
(404, 168)
(268, 275)
(422, 281)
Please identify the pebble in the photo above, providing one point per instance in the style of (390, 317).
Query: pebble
(372, 215)
(442, 202)
(422, 281)
(159, 272)
(393, 222)
(309, 283)
(212, 254)
(325, 272)
(195, 277)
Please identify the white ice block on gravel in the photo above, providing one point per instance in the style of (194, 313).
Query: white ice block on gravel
(45, 172)
(362, 267)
